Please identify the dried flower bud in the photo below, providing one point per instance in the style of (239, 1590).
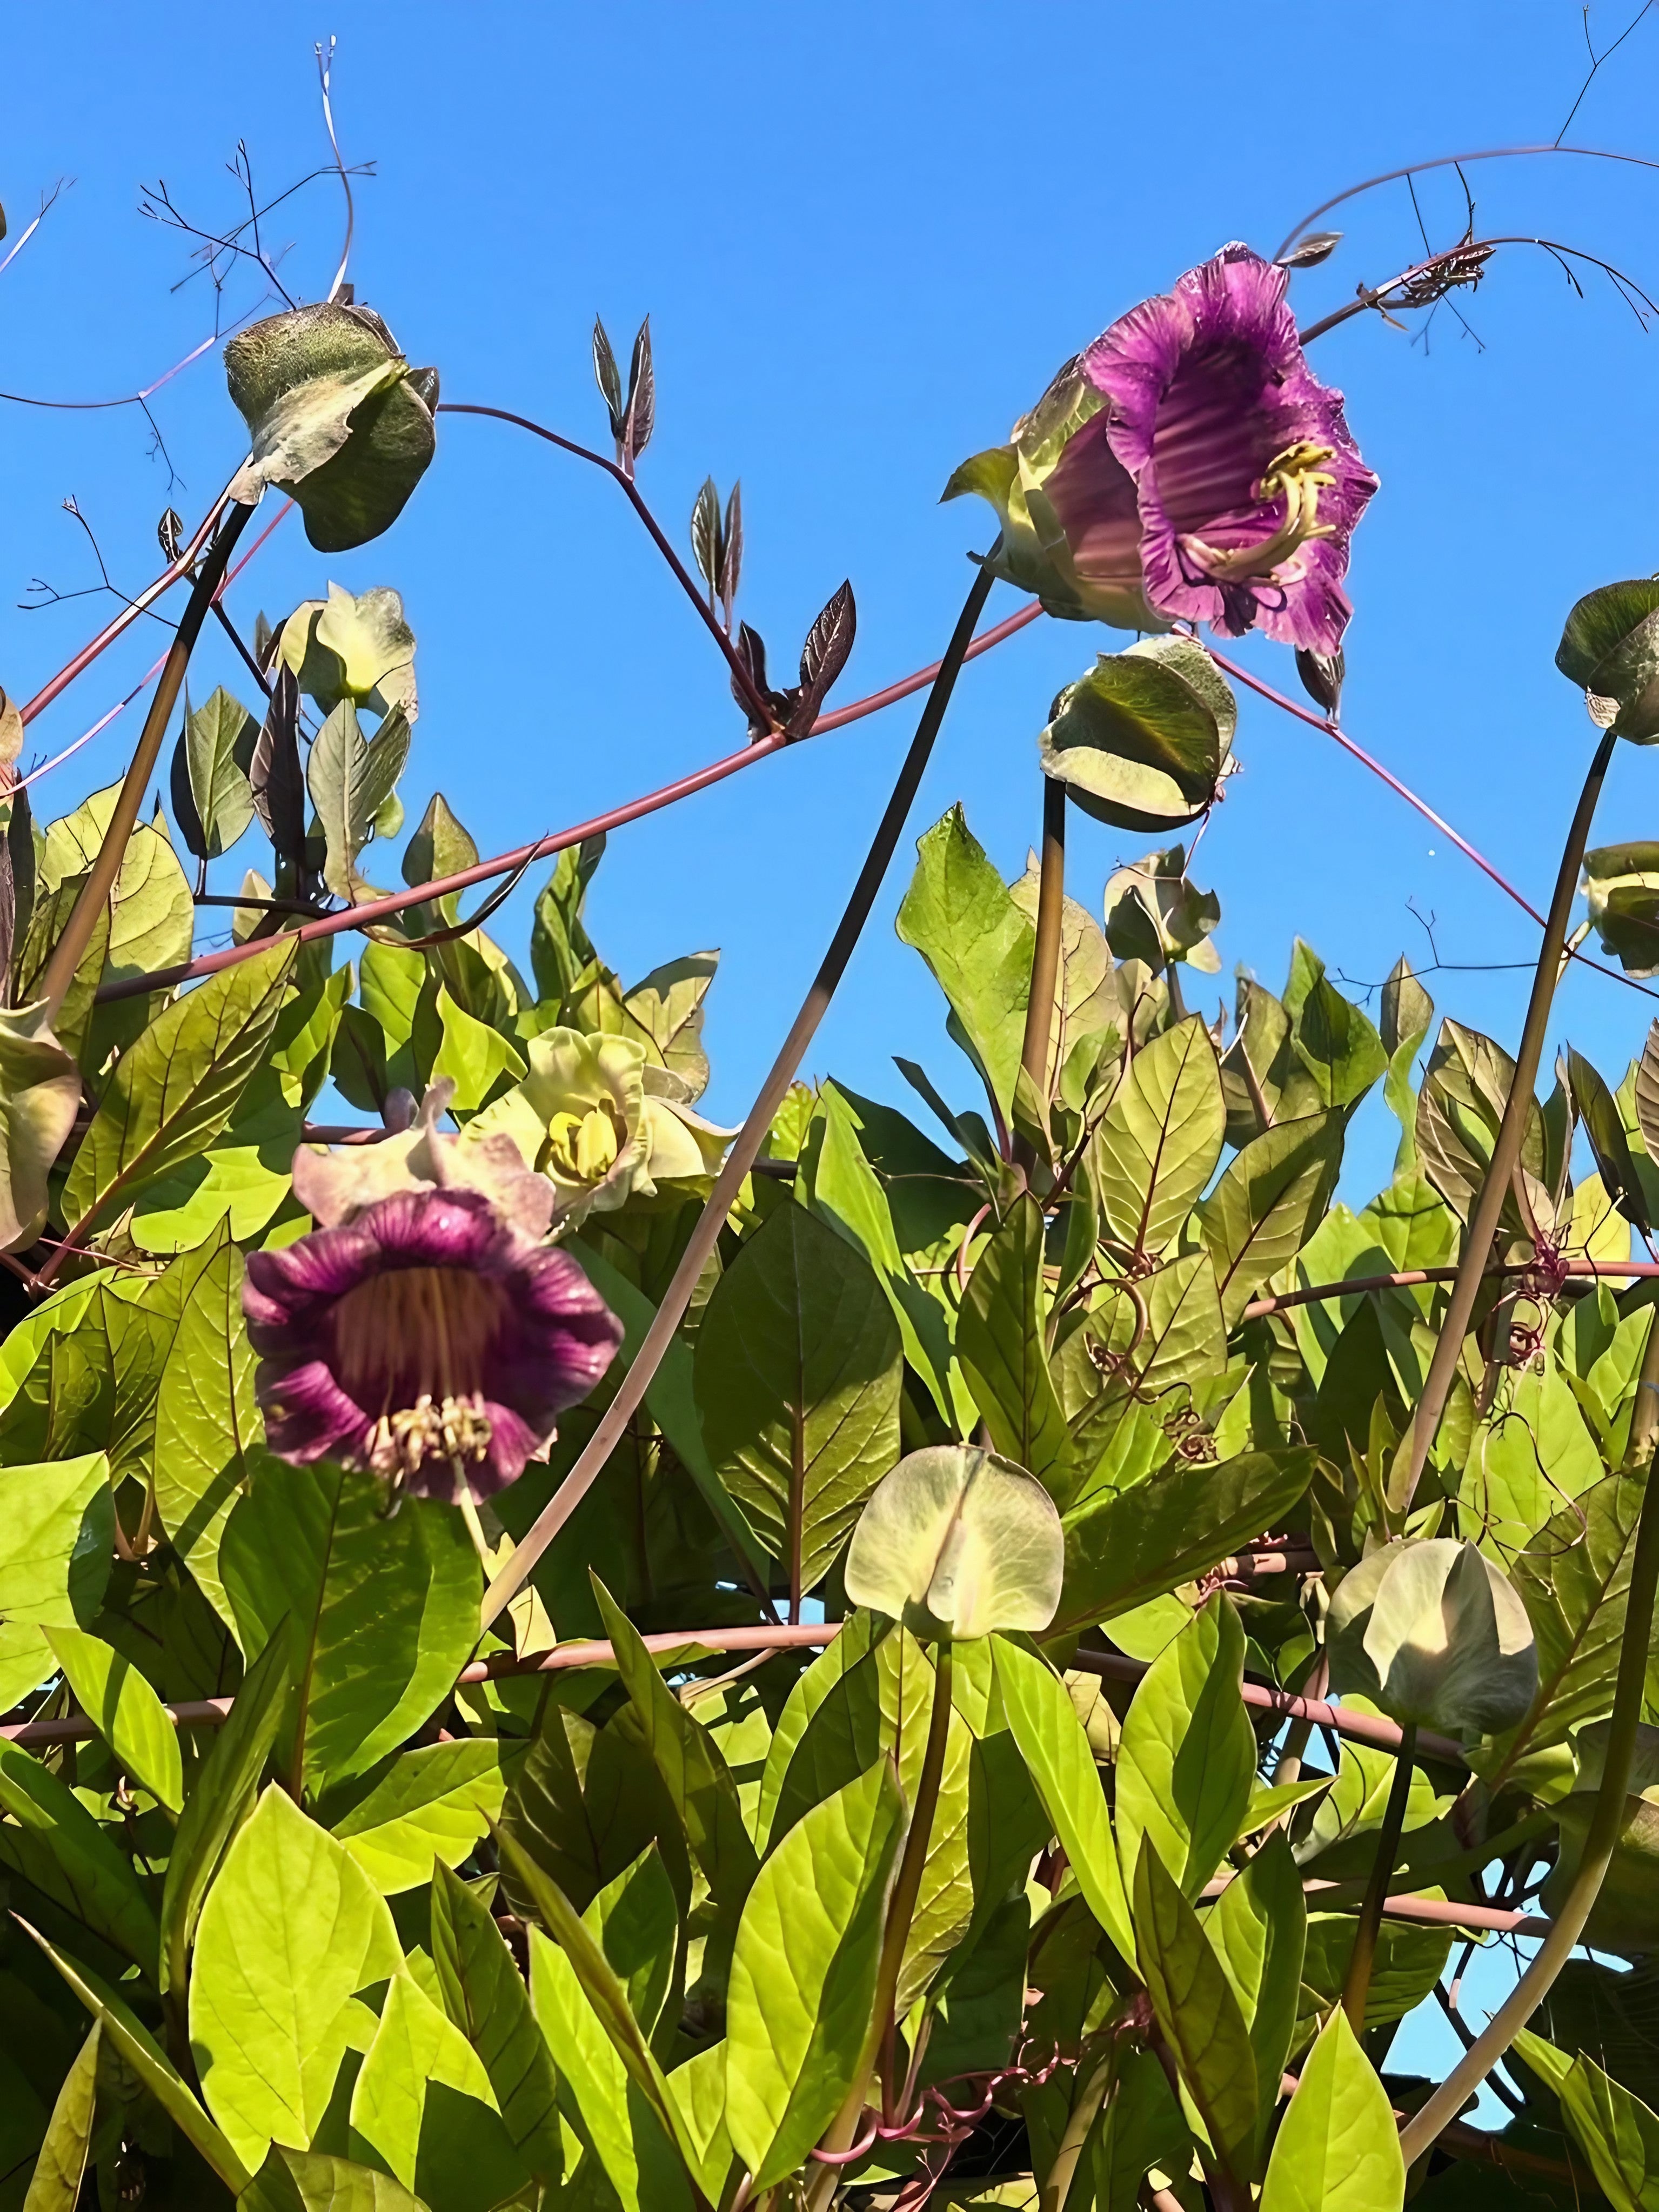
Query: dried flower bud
(1322, 675)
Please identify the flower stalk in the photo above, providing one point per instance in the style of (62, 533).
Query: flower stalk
(68, 952)
(1045, 955)
(900, 1914)
(1506, 1152)
(1605, 1823)
(746, 1148)
(1358, 1980)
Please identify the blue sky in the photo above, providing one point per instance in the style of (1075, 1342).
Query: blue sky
(865, 235)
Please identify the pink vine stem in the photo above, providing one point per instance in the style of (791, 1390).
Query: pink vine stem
(375, 910)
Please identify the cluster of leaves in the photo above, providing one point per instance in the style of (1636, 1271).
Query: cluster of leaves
(315, 1895)
(1041, 1459)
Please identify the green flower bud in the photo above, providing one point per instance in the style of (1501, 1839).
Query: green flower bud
(957, 1541)
(1433, 1634)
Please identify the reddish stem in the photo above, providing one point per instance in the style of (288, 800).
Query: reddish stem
(758, 705)
(924, 676)
(1328, 728)
(521, 856)
(130, 613)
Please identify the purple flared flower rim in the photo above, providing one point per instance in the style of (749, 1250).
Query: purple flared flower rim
(1206, 385)
(559, 1335)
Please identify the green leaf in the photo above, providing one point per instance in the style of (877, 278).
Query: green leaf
(206, 1419)
(823, 1683)
(313, 2181)
(586, 1801)
(422, 2106)
(50, 917)
(956, 1539)
(803, 1974)
(1187, 1754)
(1000, 1342)
(979, 2002)
(59, 1519)
(561, 950)
(1061, 1763)
(1347, 1818)
(1574, 1580)
(61, 2166)
(1142, 2127)
(698, 1781)
(151, 916)
(1160, 1139)
(1604, 1125)
(219, 1801)
(39, 1097)
(125, 1712)
(293, 1930)
(798, 1368)
(1267, 1205)
(637, 1923)
(53, 1842)
(1142, 741)
(670, 1397)
(664, 1011)
(137, 2049)
(434, 1803)
(350, 778)
(1334, 1039)
(1184, 1341)
(478, 1059)
(1521, 1466)
(698, 2087)
(484, 1995)
(578, 1970)
(440, 847)
(1410, 1961)
(1338, 2148)
(1194, 2006)
(177, 1087)
(1610, 649)
(627, 2125)
(381, 1614)
(961, 917)
(1258, 1927)
(1459, 1109)
(214, 755)
(1085, 993)
(1615, 2128)
(840, 1185)
(1126, 1546)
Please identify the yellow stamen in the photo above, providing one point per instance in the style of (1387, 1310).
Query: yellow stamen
(583, 1147)
(455, 1429)
(1298, 476)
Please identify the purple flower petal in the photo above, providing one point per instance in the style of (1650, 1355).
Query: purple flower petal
(308, 1416)
(1214, 412)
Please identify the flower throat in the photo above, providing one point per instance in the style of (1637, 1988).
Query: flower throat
(418, 1343)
